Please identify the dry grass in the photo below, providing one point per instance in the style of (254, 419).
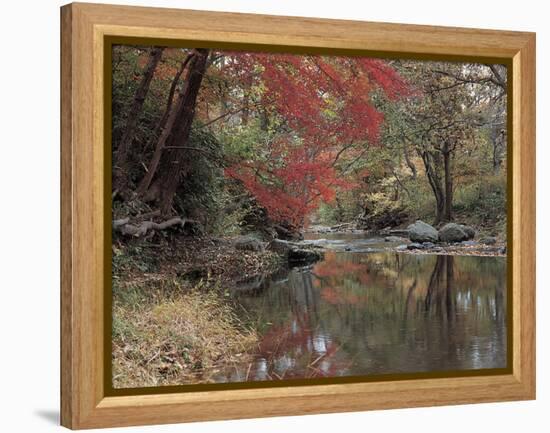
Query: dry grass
(185, 338)
(171, 326)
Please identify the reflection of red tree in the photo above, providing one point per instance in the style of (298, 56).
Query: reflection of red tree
(332, 266)
(280, 337)
(296, 339)
(331, 273)
(341, 296)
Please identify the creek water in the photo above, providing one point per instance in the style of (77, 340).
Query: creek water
(365, 310)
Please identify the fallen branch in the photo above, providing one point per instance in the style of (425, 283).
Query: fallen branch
(119, 223)
(123, 226)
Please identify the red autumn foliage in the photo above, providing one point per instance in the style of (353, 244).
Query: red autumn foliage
(326, 103)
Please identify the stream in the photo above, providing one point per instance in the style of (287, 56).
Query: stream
(365, 310)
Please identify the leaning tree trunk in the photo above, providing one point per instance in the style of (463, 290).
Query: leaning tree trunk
(174, 153)
(121, 171)
(165, 126)
(171, 93)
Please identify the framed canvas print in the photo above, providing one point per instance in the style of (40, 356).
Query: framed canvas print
(272, 216)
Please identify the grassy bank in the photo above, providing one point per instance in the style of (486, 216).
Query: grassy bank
(173, 322)
(184, 338)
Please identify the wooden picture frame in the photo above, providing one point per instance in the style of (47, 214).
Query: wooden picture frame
(84, 226)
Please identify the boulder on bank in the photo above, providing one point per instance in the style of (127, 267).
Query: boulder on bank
(303, 256)
(452, 232)
(469, 231)
(489, 240)
(422, 232)
(295, 253)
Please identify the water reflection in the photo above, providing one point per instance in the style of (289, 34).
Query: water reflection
(377, 313)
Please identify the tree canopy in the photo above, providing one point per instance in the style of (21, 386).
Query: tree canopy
(291, 139)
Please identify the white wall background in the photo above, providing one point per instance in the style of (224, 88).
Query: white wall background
(29, 219)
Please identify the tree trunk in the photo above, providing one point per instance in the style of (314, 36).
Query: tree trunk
(448, 214)
(165, 126)
(440, 207)
(121, 158)
(173, 159)
(435, 182)
(170, 100)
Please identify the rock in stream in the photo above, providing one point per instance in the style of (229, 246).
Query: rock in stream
(296, 253)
